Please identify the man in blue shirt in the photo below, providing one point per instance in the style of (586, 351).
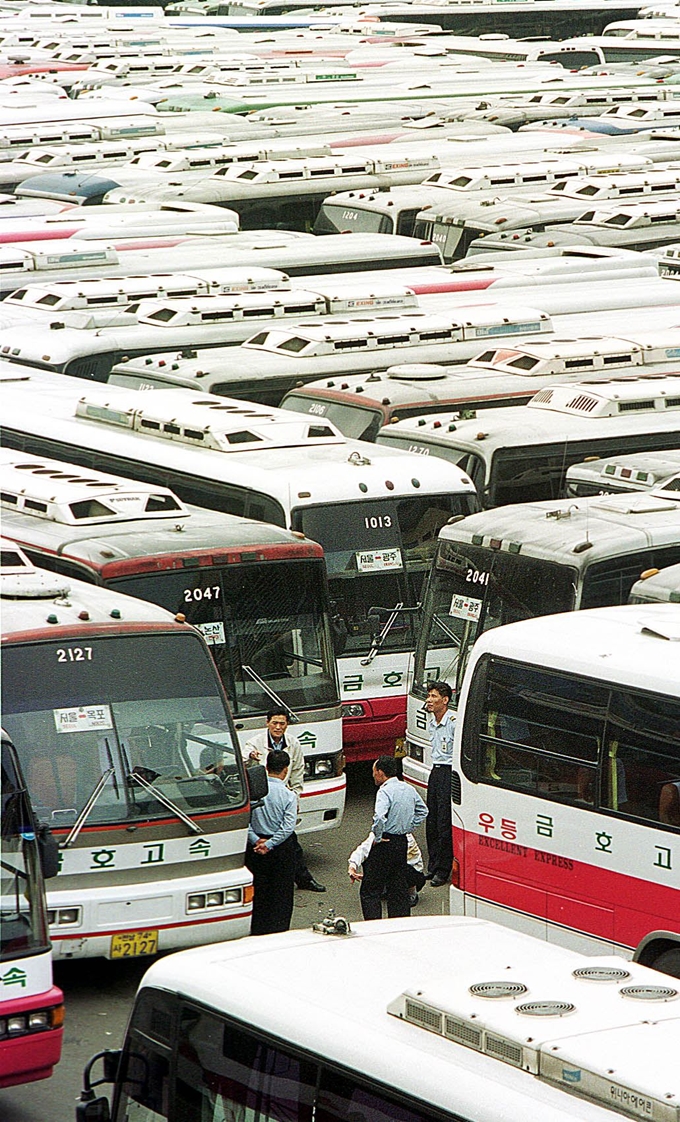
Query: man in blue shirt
(398, 810)
(270, 854)
(441, 724)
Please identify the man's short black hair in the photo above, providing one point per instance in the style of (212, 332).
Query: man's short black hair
(277, 760)
(387, 765)
(277, 713)
(442, 688)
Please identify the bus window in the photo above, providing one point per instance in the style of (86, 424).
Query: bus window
(610, 582)
(537, 732)
(644, 739)
(406, 222)
(518, 478)
(342, 1099)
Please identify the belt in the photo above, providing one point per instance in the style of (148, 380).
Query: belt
(394, 836)
(442, 765)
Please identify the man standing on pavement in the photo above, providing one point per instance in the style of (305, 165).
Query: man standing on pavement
(441, 724)
(398, 810)
(275, 737)
(270, 853)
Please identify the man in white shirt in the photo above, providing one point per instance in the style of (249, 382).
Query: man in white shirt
(438, 830)
(275, 737)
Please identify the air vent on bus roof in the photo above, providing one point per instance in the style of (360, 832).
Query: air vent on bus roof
(216, 423)
(607, 398)
(62, 493)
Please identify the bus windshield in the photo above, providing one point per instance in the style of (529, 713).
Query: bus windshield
(354, 421)
(343, 219)
(473, 589)
(378, 554)
(23, 921)
(140, 714)
(265, 622)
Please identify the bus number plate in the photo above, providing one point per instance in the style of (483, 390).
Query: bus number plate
(131, 944)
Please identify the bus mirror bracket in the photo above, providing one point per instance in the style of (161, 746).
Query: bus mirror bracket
(91, 1107)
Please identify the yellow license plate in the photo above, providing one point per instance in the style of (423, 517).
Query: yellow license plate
(130, 944)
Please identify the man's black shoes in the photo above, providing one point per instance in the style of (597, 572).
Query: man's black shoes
(312, 885)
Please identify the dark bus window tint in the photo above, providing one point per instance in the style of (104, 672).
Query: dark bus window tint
(341, 1099)
(610, 582)
(225, 1073)
(642, 757)
(536, 731)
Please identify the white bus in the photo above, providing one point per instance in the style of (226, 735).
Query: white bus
(532, 559)
(415, 1020)
(140, 539)
(87, 344)
(657, 586)
(377, 516)
(611, 475)
(295, 253)
(131, 757)
(362, 404)
(103, 222)
(631, 225)
(275, 360)
(395, 211)
(566, 808)
(521, 454)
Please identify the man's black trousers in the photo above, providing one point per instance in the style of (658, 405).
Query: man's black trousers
(385, 871)
(274, 885)
(438, 822)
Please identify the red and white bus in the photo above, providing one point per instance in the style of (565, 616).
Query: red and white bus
(131, 758)
(31, 1007)
(256, 592)
(566, 781)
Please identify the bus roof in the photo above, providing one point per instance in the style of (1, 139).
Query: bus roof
(639, 471)
(105, 522)
(577, 533)
(561, 412)
(376, 1002)
(635, 644)
(36, 601)
(325, 467)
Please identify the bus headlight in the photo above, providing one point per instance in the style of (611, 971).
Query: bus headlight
(323, 767)
(39, 1020)
(352, 710)
(218, 898)
(414, 751)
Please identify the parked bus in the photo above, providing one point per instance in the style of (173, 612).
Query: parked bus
(131, 757)
(274, 360)
(566, 810)
(362, 404)
(630, 225)
(439, 1018)
(295, 253)
(31, 1007)
(220, 572)
(533, 559)
(522, 453)
(657, 586)
(395, 211)
(613, 474)
(88, 345)
(376, 516)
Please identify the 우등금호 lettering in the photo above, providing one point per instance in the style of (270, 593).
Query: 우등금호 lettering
(74, 654)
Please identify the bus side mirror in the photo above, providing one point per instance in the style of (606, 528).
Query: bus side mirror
(258, 783)
(95, 1110)
(48, 850)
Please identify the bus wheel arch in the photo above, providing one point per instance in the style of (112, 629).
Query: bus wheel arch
(660, 950)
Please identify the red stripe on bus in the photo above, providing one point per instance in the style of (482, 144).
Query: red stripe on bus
(150, 926)
(585, 897)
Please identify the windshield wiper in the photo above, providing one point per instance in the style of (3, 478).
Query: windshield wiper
(85, 812)
(164, 800)
(270, 692)
(389, 623)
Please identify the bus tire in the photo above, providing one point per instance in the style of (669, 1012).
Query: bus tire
(668, 962)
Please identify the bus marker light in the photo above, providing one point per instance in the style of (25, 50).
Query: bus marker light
(115, 613)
